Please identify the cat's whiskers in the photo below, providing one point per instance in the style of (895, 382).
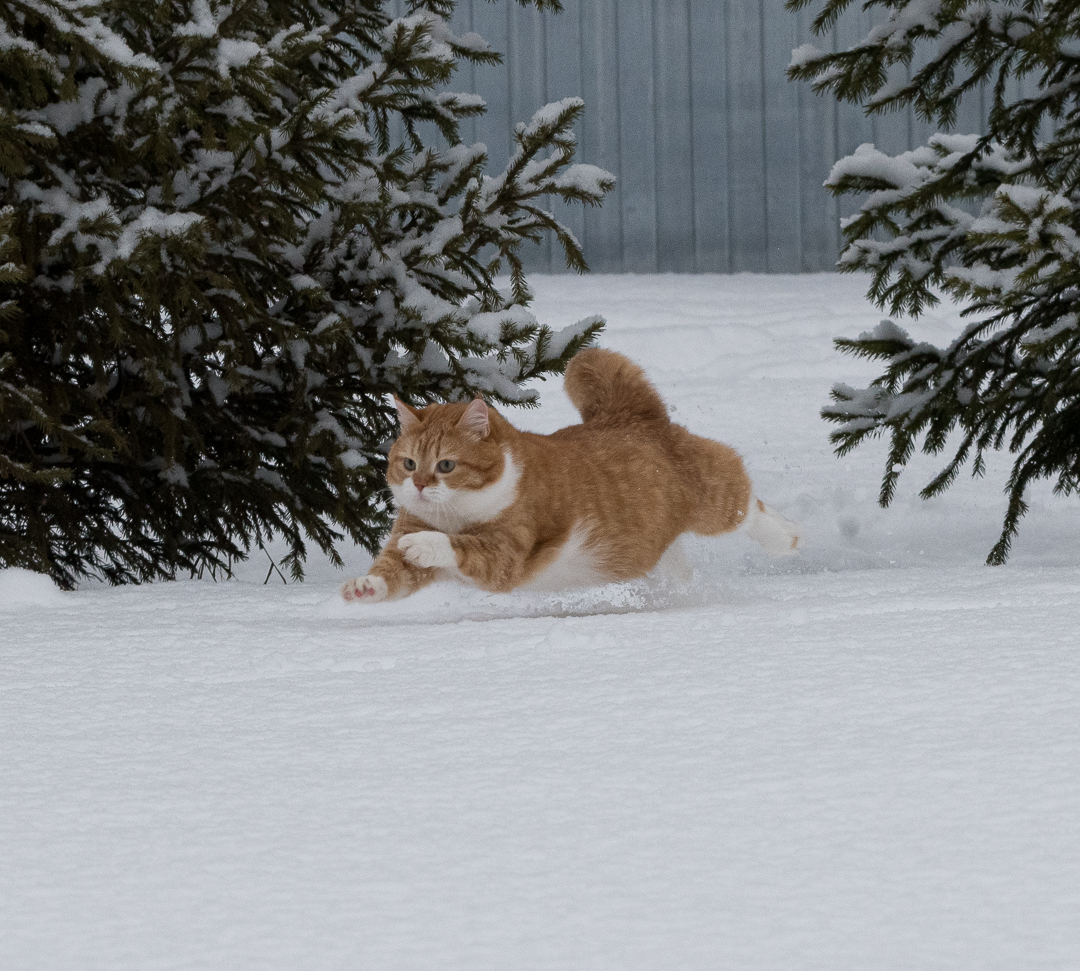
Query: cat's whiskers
(444, 516)
(435, 505)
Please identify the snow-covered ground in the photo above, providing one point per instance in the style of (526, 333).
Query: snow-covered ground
(866, 757)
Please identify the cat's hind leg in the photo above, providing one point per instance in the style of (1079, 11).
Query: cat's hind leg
(776, 533)
(718, 489)
(725, 498)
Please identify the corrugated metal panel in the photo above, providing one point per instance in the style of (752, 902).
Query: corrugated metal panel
(720, 158)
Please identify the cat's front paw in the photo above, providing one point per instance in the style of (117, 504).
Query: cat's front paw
(428, 549)
(370, 588)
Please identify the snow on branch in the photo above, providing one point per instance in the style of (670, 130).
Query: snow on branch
(990, 219)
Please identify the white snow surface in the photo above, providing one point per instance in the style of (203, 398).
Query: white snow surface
(863, 757)
(24, 588)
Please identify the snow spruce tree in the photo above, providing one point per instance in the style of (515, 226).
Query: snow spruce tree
(991, 219)
(216, 262)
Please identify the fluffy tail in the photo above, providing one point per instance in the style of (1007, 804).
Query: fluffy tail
(779, 536)
(605, 386)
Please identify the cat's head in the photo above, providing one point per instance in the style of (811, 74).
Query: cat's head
(446, 467)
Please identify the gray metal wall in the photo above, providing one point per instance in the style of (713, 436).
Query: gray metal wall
(720, 159)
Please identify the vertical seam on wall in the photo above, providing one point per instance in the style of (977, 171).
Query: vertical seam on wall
(866, 23)
(800, 199)
(764, 113)
(837, 233)
(542, 14)
(910, 115)
(653, 53)
(550, 243)
(510, 60)
(690, 103)
(618, 134)
(581, 93)
(727, 135)
(472, 78)
(796, 26)
(910, 118)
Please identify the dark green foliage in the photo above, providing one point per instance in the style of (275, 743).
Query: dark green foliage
(1012, 378)
(216, 263)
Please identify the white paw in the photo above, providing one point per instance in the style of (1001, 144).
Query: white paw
(778, 534)
(428, 549)
(371, 589)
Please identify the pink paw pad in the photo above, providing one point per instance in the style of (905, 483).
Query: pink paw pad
(364, 588)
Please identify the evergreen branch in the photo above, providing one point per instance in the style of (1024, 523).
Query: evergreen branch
(220, 265)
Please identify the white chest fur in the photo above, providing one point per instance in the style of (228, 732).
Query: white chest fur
(483, 505)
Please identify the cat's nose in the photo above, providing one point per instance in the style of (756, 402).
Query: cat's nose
(420, 483)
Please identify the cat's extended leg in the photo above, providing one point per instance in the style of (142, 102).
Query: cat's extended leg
(493, 560)
(392, 575)
(428, 549)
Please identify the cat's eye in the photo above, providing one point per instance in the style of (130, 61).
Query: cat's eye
(410, 465)
(446, 465)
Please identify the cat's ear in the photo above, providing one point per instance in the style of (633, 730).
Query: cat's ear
(475, 421)
(407, 415)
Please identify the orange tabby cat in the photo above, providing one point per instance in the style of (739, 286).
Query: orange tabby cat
(480, 501)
